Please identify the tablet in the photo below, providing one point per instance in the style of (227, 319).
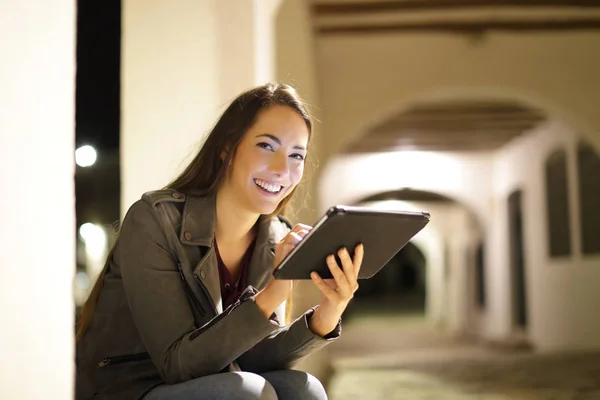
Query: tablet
(383, 233)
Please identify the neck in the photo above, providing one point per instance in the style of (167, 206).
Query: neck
(232, 224)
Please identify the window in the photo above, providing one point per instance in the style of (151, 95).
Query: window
(480, 276)
(588, 170)
(557, 204)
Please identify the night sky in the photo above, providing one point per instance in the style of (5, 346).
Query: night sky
(98, 73)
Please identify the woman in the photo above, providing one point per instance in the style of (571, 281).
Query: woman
(186, 306)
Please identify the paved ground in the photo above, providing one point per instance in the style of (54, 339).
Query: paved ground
(383, 357)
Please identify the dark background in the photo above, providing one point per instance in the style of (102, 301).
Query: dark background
(97, 111)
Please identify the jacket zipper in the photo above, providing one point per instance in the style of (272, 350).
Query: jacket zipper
(189, 292)
(123, 359)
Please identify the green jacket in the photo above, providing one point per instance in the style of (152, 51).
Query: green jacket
(159, 317)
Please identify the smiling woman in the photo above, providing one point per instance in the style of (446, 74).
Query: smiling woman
(186, 306)
(268, 166)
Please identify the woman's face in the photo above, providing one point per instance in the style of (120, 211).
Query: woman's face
(269, 161)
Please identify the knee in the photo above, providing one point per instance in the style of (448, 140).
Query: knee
(255, 387)
(305, 385)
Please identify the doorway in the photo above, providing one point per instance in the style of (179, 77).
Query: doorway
(517, 259)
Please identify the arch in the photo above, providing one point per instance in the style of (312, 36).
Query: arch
(420, 196)
(348, 180)
(331, 165)
(407, 194)
(479, 93)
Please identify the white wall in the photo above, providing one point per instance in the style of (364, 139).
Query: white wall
(182, 64)
(562, 293)
(169, 95)
(245, 37)
(37, 211)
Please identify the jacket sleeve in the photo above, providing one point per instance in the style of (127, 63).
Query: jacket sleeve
(286, 346)
(161, 311)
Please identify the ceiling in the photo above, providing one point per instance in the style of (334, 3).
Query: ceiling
(360, 17)
(450, 126)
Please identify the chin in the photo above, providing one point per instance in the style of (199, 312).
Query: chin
(267, 209)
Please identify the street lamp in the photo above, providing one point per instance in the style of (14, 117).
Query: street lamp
(85, 156)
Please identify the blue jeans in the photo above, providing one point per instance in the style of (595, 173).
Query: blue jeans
(274, 385)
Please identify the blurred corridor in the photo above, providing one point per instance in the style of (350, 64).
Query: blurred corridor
(484, 113)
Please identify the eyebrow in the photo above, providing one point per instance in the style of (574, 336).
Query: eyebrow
(278, 141)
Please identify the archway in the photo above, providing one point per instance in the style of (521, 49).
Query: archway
(430, 276)
(400, 287)
(480, 176)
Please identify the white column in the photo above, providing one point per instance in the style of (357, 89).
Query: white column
(245, 44)
(169, 89)
(37, 212)
(182, 63)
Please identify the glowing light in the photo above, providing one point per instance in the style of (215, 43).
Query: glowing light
(95, 240)
(85, 156)
(82, 281)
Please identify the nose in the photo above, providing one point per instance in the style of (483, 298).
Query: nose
(279, 165)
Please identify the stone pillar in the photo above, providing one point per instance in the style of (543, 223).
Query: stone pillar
(169, 89)
(182, 63)
(37, 209)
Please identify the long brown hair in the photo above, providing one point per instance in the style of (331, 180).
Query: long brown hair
(207, 171)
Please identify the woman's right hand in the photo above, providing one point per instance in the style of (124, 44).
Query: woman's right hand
(278, 290)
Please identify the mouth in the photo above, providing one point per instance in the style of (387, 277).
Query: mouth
(268, 187)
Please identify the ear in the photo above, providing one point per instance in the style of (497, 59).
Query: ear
(224, 153)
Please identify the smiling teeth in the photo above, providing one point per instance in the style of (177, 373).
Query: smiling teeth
(267, 186)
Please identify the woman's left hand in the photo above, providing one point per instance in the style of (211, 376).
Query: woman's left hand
(336, 293)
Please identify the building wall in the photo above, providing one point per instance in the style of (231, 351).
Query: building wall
(182, 64)
(562, 292)
(170, 95)
(37, 206)
(365, 79)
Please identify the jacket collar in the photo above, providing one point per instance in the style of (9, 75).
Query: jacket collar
(198, 224)
(197, 229)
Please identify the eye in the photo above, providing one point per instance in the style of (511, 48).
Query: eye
(297, 156)
(265, 146)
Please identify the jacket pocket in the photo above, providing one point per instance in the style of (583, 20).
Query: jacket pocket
(123, 359)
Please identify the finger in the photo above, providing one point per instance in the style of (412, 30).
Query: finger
(331, 283)
(347, 266)
(359, 253)
(294, 237)
(302, 233)
(302, 226)
(324, 287)
(291, 239)
(338, 275)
